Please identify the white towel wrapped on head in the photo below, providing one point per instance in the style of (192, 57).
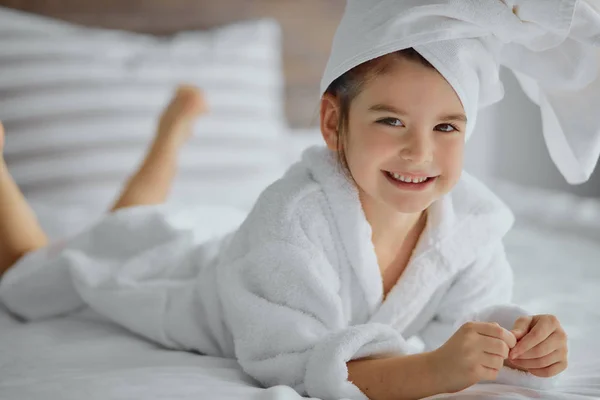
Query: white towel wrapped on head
(553, 46)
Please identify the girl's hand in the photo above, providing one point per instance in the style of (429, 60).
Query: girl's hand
(541, 348)
(475, 353)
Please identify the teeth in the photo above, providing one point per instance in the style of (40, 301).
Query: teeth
(407, 179)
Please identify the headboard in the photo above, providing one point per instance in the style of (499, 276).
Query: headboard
(308, 28)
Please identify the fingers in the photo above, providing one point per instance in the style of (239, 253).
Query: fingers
(554, 342)
(496, 331)
(495, 346)
(552, 370)
(489, 374)
(521, 326)
(510, 364)
(540, 331)
(492, 361)
(541, 362)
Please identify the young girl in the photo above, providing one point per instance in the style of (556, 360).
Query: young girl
(376, 238)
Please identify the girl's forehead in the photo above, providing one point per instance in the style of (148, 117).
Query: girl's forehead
(408, 83)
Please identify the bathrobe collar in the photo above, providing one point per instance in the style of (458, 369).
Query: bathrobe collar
(460, 226)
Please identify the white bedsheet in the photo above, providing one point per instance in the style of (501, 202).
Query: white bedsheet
(555, 254)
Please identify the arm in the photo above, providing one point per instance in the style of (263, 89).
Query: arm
(289, 328)
(397, 378)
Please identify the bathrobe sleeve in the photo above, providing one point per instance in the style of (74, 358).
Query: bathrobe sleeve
(482, 292)
(282, 306)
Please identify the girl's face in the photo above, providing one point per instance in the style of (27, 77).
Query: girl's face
(405, 137)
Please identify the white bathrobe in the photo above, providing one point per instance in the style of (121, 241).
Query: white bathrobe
(295, 292)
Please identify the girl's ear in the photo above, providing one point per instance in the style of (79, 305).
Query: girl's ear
(330, 114)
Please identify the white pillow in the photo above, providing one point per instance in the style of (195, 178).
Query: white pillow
(80, 106)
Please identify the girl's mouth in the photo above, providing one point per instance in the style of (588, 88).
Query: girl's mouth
(409, 182)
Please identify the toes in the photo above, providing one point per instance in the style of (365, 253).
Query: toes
(191, 100)
(186, 89)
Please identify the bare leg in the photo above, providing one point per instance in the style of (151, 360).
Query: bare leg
(152, 181)
(20, 231)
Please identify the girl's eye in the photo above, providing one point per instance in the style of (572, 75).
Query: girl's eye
(390, 122)
(448, 128)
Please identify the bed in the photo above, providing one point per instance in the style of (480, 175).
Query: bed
(554, 254)
(554, 247)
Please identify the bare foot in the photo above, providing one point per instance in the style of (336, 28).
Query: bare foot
(152, 182)
(176, 121)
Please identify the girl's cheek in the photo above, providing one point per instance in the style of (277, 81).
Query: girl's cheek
(379, 138)
(451, 151)
(366, 137)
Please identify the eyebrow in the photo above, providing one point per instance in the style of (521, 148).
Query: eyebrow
(388, 108)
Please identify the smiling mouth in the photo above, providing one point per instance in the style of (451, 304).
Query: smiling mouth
(408, 179)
